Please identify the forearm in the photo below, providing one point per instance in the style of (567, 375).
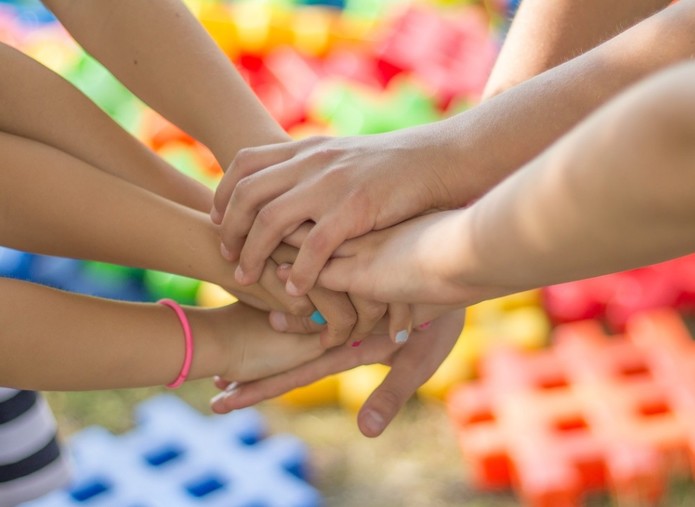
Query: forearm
(55, 204)
(39, 104)
(55, 340)
(614, 194)
(546, 34)
(494, 139)
(162, 54)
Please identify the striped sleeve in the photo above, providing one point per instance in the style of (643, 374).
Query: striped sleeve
(31, 462)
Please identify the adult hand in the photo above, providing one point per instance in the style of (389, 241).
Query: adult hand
(340, 184)
(412, 364)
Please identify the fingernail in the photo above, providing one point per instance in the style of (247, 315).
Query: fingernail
(373, 421)
(356, 343)
(402, 336)
(317, 318)
(425, 325)
(292, 289)
(232, 389)
(224, 251)
(215, 216)
(278, 321)
(239, 274)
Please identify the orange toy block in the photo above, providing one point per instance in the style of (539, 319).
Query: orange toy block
(591, 412)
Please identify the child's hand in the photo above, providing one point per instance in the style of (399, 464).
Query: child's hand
(418, 261)
(254, 349)
(411, 366)
(341, 184)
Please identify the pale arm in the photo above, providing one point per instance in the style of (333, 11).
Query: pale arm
(616, 193)
(545, 34)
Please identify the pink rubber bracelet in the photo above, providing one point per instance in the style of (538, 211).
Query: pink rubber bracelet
(188, 337)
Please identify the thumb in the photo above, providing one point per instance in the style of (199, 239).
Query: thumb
(386, 401)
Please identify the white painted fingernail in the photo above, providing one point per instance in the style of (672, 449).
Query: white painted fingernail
(402, 336)
(229, 391)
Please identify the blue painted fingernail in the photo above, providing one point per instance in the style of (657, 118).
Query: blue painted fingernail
(318, 318)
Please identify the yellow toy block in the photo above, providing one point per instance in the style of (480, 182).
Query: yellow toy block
(321, 393)
(356, 385)
(210, 295)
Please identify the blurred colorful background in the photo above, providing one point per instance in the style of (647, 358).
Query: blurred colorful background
(514, 416)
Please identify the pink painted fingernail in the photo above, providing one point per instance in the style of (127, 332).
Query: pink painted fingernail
(424, 325)
(356, 343)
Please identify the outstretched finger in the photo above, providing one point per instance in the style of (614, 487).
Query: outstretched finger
(332, 361)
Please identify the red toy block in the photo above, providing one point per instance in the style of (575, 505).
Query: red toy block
(617, 297)
(592, 412)
(453, 55)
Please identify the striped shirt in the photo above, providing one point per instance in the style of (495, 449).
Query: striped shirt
(31, 463)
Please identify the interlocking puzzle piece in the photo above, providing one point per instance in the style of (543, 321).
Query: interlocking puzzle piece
(177, 457)
(591, 412)
(617, 297)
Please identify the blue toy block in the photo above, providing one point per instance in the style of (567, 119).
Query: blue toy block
(15, 263)
(176, 457)
(72, 275)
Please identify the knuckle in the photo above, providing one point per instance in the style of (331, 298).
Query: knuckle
(388, 400)
(242, 161)
(300, 307)
(267, 216)
(318, 241)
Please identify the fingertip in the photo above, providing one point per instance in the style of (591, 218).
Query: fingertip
(278, 321)
(293, 290)
(244, 277)
(216, 216)
(371, 423)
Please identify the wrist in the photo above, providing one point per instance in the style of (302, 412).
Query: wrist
(210, 350)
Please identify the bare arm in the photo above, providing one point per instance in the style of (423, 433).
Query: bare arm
(55, 340)
(442, 165)
(164, 56)
(545, 34)
(615, 193)
(53, 203)
(38, 104)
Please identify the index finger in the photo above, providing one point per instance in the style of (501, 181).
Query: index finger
(247, 161)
